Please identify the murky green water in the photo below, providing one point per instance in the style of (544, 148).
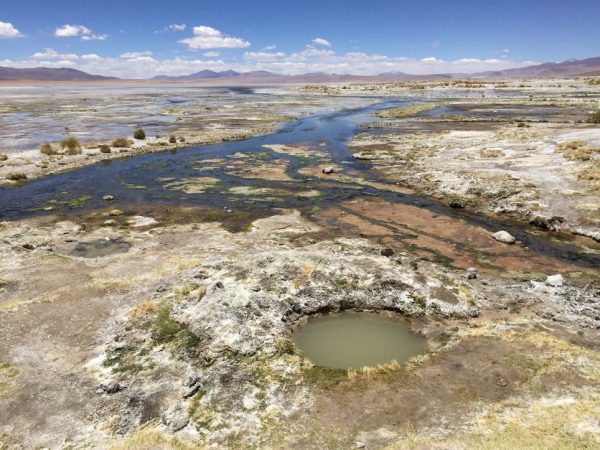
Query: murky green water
(354, 340)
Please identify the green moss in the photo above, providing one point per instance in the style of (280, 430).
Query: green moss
(74, 202)
(164, 329)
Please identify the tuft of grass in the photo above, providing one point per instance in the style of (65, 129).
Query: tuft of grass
(139, 134)
(121, 143)
(576, 150)
(16, 176)
(172, 139)
(105, 149)
(71, 146)
(47, 149)
(150, 436)
(323, 376)
(489, 153)
(164, 329)
(594, 117)
(3, 157)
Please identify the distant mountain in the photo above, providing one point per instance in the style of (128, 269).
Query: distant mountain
(210, 74)
(48, 74)
(569, 68)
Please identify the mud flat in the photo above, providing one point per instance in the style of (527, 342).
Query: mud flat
(531, 154)
(153, 302)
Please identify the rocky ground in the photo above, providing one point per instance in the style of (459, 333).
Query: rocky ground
(184, 339)
(533, 156)
(173, 329)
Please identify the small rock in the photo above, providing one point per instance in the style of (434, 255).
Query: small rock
(28, 246)
(471, 273)
(109, 223)
(111, 388)
(219, 285)
(360, 445)
(388, 252)
(328, 170)
(108, 198)
(504, 237)
(192, 390)
(255, 288)
(175, 418)
(555, 280)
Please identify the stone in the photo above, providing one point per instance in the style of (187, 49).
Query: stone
(328, 170)
(504, 237)
(115, 212)
(360, 445)
(555, 280)
(388, 252)
(109, 223)
(175, 418)
(471, 273)
(108, 198)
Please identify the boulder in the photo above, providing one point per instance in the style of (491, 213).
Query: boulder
(504, 237)
(555, 280)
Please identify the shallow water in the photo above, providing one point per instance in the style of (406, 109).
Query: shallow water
(94, 249)
(351, 340)
(191, 177)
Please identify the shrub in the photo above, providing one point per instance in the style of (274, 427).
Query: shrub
(16, 176)
(71, 146)
(3, 157)
(104, 149)
(47, 149)
(595, 117)
(121, 143)
(139, 134)
(172, 139)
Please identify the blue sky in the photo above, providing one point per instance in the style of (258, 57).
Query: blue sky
(144, 38)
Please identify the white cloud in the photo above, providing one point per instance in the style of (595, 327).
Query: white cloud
(321, 41)
(173, 27)
(263, 56)
(90, 57)
(8, 31)
(134, 55)
(211, 54)
(207, 37)
(268, 48)
(307, 60)
(78, 30)
(50, 53)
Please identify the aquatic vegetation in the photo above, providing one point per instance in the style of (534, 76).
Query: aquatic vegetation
(74, 202)
(406, 111)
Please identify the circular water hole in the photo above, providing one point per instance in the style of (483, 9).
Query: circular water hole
(352, 340)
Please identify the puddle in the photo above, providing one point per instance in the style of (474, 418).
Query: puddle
(94, 249)
(351, 340)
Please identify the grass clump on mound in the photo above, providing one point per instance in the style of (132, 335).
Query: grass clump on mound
(48, 149)
(71, 146)
(139, 134)
(121, 143)
(105, 149)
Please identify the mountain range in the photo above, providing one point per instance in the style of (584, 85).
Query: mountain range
(569, 68)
